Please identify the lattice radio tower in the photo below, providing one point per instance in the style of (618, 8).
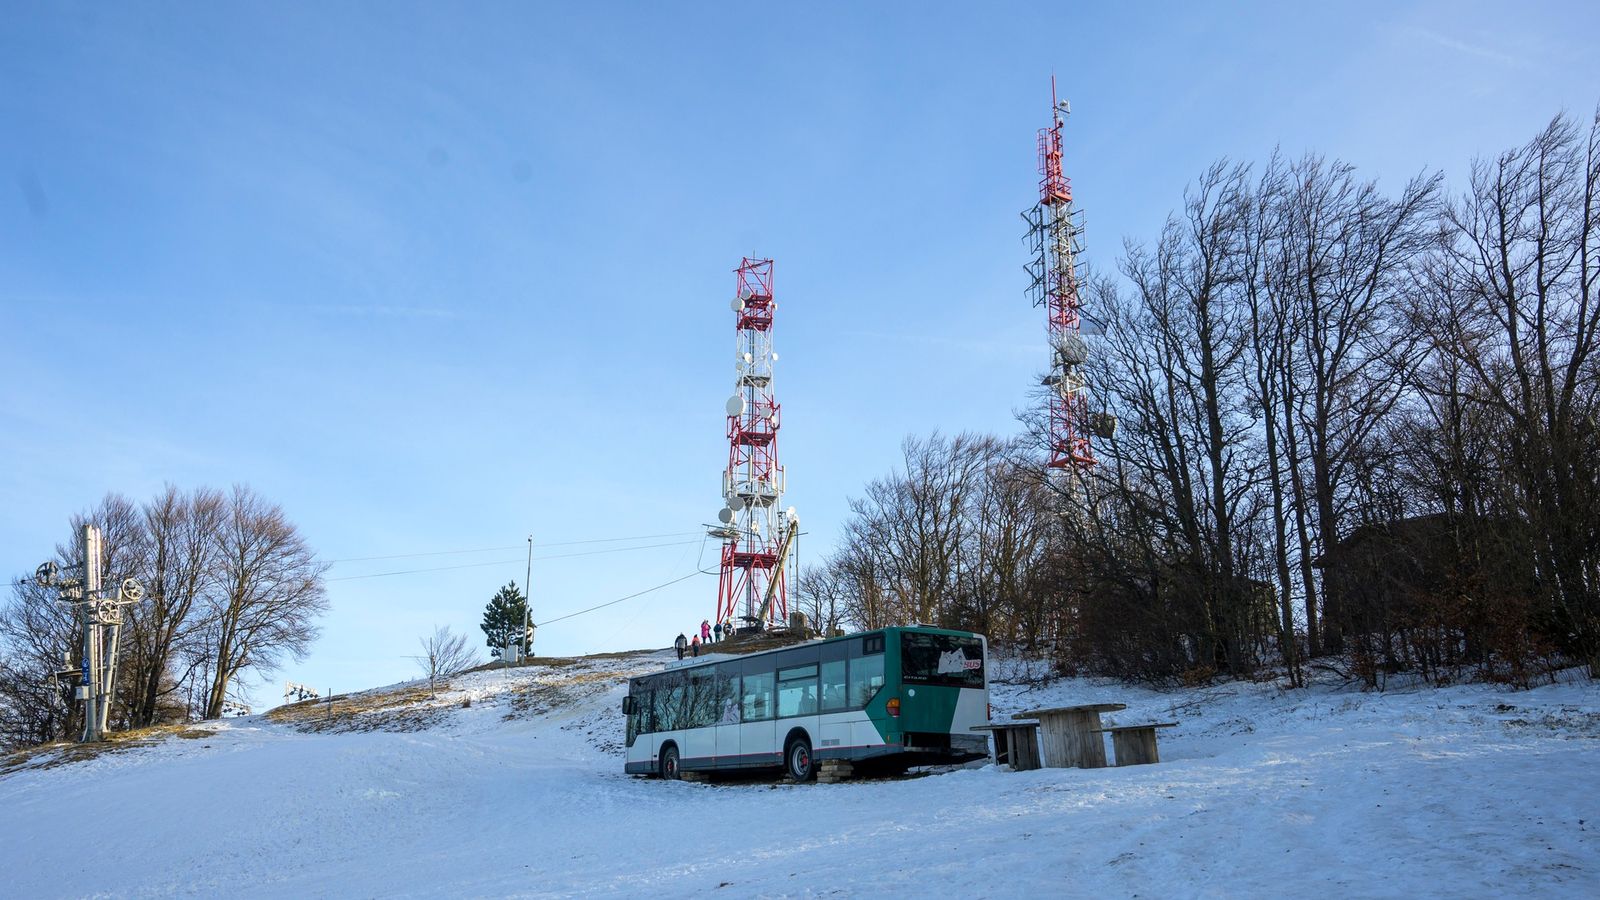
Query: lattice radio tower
(756, 531)
(1054, 226)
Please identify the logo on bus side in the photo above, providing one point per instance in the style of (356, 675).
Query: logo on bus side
(954, 662)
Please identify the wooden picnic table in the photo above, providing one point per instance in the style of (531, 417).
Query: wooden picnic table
(1015, 743)
(1071, 734)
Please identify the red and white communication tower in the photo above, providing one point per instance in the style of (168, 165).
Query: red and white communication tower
(1053, 230)
(757, 532)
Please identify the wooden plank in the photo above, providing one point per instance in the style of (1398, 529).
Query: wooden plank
(1116, 728)
(1070, 740)
(1087, 707)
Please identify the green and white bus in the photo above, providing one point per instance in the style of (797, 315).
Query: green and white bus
(890, 698)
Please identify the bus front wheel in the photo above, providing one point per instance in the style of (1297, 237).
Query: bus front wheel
(669, 763)
(802, 767)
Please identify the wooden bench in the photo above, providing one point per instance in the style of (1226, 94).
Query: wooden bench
(1069, 733)
(1135, 745)
(1016, 744)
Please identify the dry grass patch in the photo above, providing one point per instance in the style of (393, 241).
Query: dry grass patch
(402, 709)
(61, 753)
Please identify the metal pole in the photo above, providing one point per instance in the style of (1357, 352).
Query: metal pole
(91, 634)
(111, 674)
(527, 601)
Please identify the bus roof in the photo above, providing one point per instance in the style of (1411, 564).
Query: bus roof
(927, 629)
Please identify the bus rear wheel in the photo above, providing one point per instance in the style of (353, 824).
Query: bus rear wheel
(798, 760)
(669, 763)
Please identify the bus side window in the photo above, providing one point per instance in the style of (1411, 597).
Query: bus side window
(797, 691)
(756, 698)
(833, 686)
(672, 705)
(703, 709)
(866, 676)
(644, 706)
(727, 699)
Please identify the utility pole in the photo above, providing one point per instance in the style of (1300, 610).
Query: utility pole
(82, 586)
(527, 600)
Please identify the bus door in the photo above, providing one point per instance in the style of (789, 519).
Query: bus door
(865, 683)
(757, 729)
(727, 728)
(834, 729)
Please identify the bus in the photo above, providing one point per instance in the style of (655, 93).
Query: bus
(885, 699)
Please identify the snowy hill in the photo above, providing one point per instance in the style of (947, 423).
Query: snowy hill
(510, 783)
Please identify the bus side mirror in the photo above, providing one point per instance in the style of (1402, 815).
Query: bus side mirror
(627, 705)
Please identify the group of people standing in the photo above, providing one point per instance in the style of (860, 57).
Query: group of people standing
(709, 634)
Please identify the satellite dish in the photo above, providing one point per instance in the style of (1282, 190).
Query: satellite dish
(725, 515)
(1103, 425)
(735, 502)
(735, 405)
(737, 304)
(745, 358)
(1072, 350)
(794, 517)
(774, 356)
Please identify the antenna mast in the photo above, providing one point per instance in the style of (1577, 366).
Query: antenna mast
(1054, 226)
(753, 526)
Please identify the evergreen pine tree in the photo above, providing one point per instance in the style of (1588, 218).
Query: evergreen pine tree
(503, 620)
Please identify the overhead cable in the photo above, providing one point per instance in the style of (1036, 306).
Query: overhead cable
(637, 537)
(503, 562)
(620, 599)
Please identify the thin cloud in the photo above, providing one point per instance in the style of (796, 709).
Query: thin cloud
(1461, 46)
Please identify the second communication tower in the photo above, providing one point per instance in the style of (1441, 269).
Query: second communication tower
(757, 532)
(1054, 226)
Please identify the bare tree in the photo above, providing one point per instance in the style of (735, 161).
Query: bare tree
(179, 567)
(1011, 514)
(38, 638)
(822, 594)
(444, 654)
(1343, 253)
(269, 594)
(1271, 339)
(1520, 273)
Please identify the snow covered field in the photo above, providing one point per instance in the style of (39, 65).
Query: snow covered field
(1466, 792)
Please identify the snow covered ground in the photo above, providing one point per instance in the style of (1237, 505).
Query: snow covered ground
(1467, 791)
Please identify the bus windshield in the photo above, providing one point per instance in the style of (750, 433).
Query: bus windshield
(942, 659)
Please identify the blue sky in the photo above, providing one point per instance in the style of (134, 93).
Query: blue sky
(435, 277)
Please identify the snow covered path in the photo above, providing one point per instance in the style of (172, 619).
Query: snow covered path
(1466, 791)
